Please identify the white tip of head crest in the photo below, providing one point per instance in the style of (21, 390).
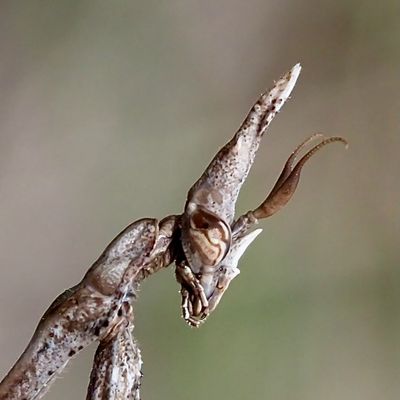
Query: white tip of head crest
(294, 74)
(285, 85)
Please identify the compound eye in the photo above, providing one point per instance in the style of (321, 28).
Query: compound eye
(209, 237)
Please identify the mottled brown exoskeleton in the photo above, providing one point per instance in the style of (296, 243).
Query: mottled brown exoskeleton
(212, 240)
(205, 242)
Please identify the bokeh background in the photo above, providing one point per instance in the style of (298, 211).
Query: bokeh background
(109, 110)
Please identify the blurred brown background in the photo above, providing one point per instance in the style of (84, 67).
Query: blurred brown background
(110, 110)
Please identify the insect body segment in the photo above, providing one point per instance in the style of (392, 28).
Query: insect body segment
(116, 373)
(206, 243)
(212, 241)
(218, 188)
(90, 310)
(210, 207)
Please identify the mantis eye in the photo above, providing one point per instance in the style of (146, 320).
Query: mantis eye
(206, 238)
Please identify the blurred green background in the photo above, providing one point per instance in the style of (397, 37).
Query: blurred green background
(109, 110)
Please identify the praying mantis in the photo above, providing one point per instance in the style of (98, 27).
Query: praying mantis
(205, 242)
